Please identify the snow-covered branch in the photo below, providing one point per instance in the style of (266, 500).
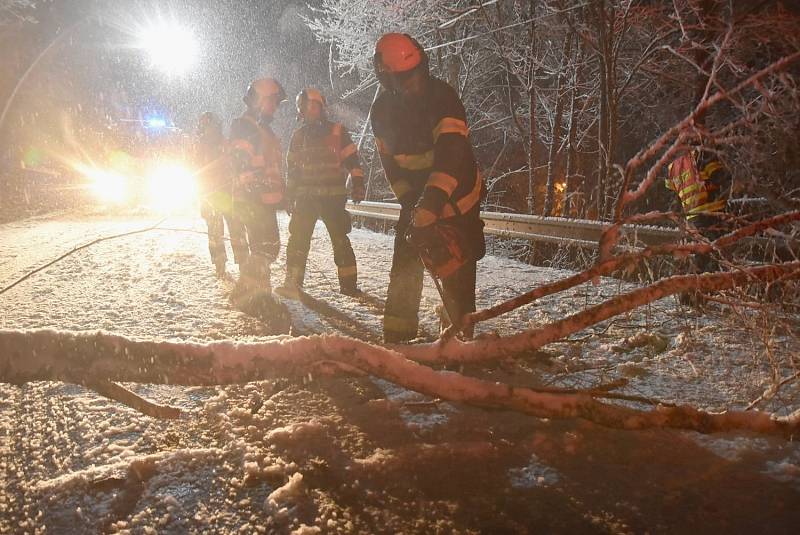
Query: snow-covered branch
(629, 260)
(454, 350)
(91, 357)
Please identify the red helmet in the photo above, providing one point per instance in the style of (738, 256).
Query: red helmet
(396, 55)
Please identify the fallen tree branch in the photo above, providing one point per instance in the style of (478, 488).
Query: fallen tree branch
(126, 397)
(626, 261)
(770, 392)
(454, 350)
(55, 355)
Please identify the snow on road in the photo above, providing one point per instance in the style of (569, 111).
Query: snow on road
(354, 455)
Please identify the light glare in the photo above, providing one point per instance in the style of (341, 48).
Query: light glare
(107, 186)
(171, 48)
(172, 187)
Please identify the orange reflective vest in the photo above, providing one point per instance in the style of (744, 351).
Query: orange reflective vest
(693, 186)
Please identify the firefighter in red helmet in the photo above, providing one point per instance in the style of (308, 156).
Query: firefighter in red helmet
(421, 131)
(256, 156)
(321, 156)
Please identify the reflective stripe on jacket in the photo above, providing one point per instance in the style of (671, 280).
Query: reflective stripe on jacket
(321, 155)
(257, 158)
(425, 150)
(698, 190)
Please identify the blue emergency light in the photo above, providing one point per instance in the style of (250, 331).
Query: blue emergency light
(156, 123)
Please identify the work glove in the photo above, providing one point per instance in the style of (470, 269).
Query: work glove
(420, 230)
(358, 192)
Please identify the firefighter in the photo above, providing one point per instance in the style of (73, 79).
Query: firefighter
(215, 192)
(703, 186)
(421, 132)
(320, 157)
(256, 156)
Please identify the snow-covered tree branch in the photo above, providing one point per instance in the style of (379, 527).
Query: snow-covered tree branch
(91, 357)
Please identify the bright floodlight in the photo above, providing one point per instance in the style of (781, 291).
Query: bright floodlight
(108, 186)
(172, 187)
(171, 48)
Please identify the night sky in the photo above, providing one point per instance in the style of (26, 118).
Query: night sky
(94, 74)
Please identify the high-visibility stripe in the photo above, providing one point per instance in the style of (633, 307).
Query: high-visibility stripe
(450, 125)
(443, 181)
(689, 190)
(400, 188)
(465, 203)
(415, 162)
(381, 146)
(695, 200)
(713, 166)
(711, 207)
(347, 271)
(423, 217)
(347, 151)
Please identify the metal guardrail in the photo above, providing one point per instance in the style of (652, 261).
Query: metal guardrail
(535, 228)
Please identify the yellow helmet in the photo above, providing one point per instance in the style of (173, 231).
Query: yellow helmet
(308, 95)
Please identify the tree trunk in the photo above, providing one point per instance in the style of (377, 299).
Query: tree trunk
(532, 112)
(603, 141)
(557, 120)
(570, 186)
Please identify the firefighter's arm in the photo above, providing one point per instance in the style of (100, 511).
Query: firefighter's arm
(352, 164)
(720, 178)
(452, 163)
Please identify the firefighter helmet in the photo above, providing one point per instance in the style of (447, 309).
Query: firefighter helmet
(264, 88)
(398, 55)
(307, 96)
(209, 120)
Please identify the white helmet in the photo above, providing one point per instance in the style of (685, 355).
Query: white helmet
(306, 96)
(263, 88)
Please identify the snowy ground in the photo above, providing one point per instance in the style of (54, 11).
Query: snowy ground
(359, 455)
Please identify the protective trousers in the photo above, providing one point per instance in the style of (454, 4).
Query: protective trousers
(331, 209)
(263, 241)
(400, 319)
(711, 228)
(216, 219)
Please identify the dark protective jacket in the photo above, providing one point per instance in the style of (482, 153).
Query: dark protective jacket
(701, 182)
(428, 160)
(257, 161)
(209, 158)
(321, 155)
